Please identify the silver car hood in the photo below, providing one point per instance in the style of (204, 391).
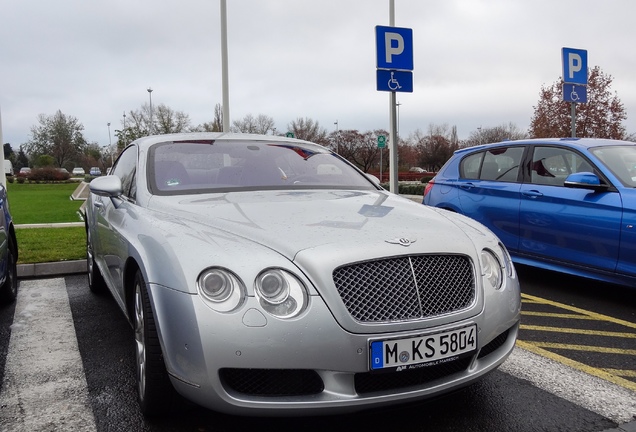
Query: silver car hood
(290, 222)
(321, 230)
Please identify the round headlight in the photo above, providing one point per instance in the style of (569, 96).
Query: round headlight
(491, 269)
(273, 287)
(216, 286)
(221, 289)
(280, 293)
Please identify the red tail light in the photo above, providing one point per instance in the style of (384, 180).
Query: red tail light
(428, 187)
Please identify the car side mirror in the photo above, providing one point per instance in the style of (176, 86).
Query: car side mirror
(109, 186)
(585, 180)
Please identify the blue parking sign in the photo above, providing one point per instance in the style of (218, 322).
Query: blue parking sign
(574, 66)
(394, 48)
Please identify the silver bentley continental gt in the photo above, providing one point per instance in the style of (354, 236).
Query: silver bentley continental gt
(269, 276)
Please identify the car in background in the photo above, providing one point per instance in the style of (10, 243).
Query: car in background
(8, 167)
(78, 171)
(268, 275)
(8, 252)
(561, 204)
(25, 171)
(95, 171)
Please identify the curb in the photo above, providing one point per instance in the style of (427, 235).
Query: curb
(36, 270)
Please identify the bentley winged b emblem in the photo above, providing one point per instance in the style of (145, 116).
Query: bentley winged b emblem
(402, 241)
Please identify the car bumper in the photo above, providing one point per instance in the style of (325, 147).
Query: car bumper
(248, 362)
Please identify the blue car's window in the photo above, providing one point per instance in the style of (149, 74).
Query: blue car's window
(499, 164)
(621, 160)
(197, 167)
(551, 165)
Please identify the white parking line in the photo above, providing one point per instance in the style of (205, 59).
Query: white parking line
(595, 394)
(44, 386)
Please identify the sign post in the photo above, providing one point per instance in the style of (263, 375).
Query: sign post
(381, 145)
(394, 73)
(574, 89)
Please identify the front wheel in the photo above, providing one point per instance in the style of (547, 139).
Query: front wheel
(9, 289)
(154, 390)
(95, 279)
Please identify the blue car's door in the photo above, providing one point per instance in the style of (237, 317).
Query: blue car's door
(627, 253)
(563, 224)
(489, 191)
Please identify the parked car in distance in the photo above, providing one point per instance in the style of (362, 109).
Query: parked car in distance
(8, 252)
(561, 204)
(95, 171)
(78, 171)
(25, 170)
(267, 275)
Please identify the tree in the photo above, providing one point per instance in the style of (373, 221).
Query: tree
(308, 129)
(165, 120)
(262, 124)
(600, 117)
(59, 136)
(495, 134)
(436, 147)
(216, 125)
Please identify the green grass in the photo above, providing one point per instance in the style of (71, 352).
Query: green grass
(37, 245)
(43, 203)
(46, 203)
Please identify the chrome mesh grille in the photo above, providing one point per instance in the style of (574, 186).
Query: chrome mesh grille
(406, 288)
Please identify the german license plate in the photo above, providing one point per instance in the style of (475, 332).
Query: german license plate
(419, 351)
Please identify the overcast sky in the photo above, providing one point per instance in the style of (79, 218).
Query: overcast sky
(477, 63)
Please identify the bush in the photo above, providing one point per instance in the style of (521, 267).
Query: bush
(48, 174)
(408, 188)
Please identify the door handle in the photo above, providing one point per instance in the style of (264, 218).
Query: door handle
(532, 193)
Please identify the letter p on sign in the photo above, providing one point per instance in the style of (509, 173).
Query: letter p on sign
(393, 45)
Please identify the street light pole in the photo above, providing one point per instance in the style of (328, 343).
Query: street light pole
(337, 137)
(150, 128)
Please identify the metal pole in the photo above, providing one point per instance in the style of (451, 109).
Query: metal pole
(393, 143)
(573, 114)
(150, 128)
(224, 68)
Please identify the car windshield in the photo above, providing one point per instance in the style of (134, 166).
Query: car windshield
(621, 161)
(217, 166)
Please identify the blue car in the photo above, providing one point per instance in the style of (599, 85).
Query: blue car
(561, 204)
(8, 252)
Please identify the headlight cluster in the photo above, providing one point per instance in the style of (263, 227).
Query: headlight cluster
(491, 268)
(279, 292)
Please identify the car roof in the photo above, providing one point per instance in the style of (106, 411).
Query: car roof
(145, 142)
(581, 143)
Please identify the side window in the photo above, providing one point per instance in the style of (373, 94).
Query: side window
(125, 168)
(551, 165)
(500, 164)
(470, 165)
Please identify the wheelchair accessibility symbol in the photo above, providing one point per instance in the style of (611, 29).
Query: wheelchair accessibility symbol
(394, 81)
(574, 93)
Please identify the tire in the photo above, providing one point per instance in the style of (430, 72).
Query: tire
(154, 390)
(9, 289)
(96, 281)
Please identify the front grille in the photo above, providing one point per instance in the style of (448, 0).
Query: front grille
(406, 288)
(272, 382)
(368, 382)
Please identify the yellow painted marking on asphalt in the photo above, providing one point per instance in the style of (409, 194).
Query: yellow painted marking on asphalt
(557, 315)
(600, 317)
(532, 347)
(621, 372)
(579, 331)
(587, 348)
(526, 301)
